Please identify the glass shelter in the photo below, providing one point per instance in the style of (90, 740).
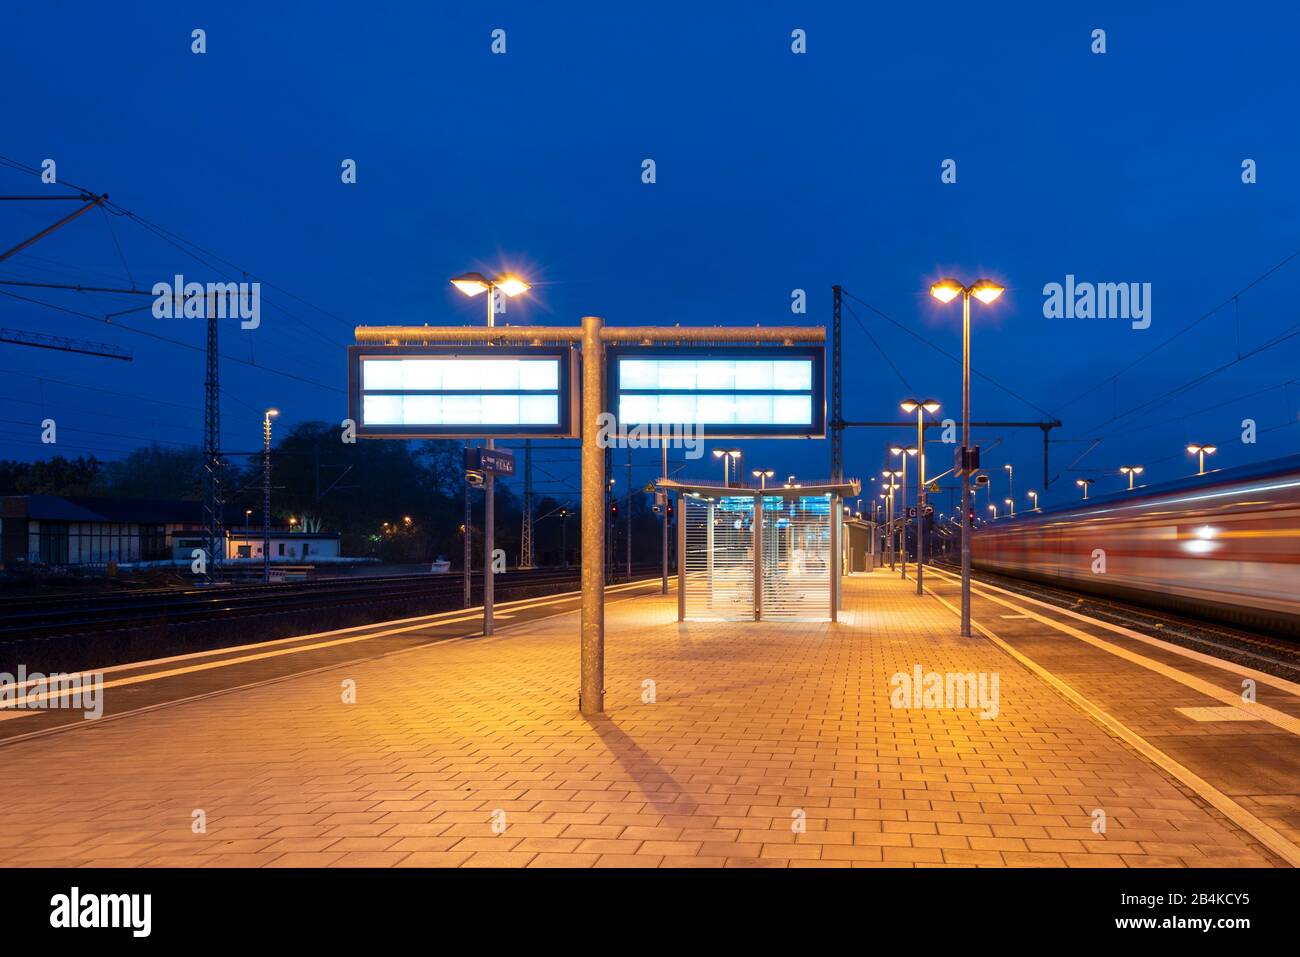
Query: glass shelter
(747, 554)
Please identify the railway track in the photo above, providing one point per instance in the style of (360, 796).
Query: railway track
(62, 616)
(1267, 652)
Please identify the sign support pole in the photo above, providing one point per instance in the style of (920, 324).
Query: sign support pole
(593, 335)
(591, 699)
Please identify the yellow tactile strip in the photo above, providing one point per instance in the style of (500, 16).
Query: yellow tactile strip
(766, 745)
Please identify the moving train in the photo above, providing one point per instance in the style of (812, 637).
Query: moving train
(1223, 546)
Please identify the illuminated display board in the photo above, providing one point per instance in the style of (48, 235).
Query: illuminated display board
(731, 392)
(419, 392)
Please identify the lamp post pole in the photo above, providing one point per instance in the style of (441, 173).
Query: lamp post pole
(920, 501)
(902, 538)
(966, 476)
(489, 502)
(663, 513)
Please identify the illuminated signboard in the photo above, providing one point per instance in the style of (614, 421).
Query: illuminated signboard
(731, 392)
(419, 392)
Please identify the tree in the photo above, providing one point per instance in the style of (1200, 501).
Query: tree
(154, 472)
(55, 476)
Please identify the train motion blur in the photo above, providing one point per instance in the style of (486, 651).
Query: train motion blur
(1223, 546)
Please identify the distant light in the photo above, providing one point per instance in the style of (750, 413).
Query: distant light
(986, 291)
(946, 290)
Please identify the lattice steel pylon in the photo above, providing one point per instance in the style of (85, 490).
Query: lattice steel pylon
(213, 498)
(526, 535)
(837, 388)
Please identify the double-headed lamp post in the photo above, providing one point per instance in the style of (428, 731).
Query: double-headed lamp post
(888, 496)
(1083, 484)
(763, 475)
(266, 492)
(986, 291)
(473, 284)
(728, 456)
(920, 407)
(1132, 471)
(904, 452)
(1202, 451)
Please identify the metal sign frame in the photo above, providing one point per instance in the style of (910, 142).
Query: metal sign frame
(568, 395)
(817, 355)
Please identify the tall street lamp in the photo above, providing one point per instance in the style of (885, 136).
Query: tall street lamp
(266, 492)
(727, 456)
(994, 509)
(889, 518)
(473, 284)
(1131, 471)
(986, 291)
(1011, 483)
(920, 407)
(1034, 496)
(763, 475)
(1083, 484)
(899, 450)
(1202, 451)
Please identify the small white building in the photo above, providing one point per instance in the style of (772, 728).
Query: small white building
(286, 545)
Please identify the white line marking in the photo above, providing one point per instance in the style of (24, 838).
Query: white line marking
(1264, 833)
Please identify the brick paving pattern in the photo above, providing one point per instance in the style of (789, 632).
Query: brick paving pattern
(767, 745)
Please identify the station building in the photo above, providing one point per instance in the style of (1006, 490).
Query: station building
(84, 531)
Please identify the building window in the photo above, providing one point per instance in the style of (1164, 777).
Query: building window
(54, 543)
(282, 549)
(153, 543)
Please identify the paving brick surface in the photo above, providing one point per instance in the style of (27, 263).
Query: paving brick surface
(766, 745)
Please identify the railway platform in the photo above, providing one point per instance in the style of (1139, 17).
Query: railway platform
(884, 740)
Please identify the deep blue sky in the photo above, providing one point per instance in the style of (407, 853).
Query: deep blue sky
(775, 172)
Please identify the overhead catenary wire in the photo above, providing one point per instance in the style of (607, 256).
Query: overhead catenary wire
(954, 358)
(1233, 298)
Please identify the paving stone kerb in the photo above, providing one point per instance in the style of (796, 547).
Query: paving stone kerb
(766, 744)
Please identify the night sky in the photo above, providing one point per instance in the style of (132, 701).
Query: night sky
(775, 171)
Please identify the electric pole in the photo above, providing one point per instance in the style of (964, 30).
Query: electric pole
(526, 536)
(214, 501)
(837, 388)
